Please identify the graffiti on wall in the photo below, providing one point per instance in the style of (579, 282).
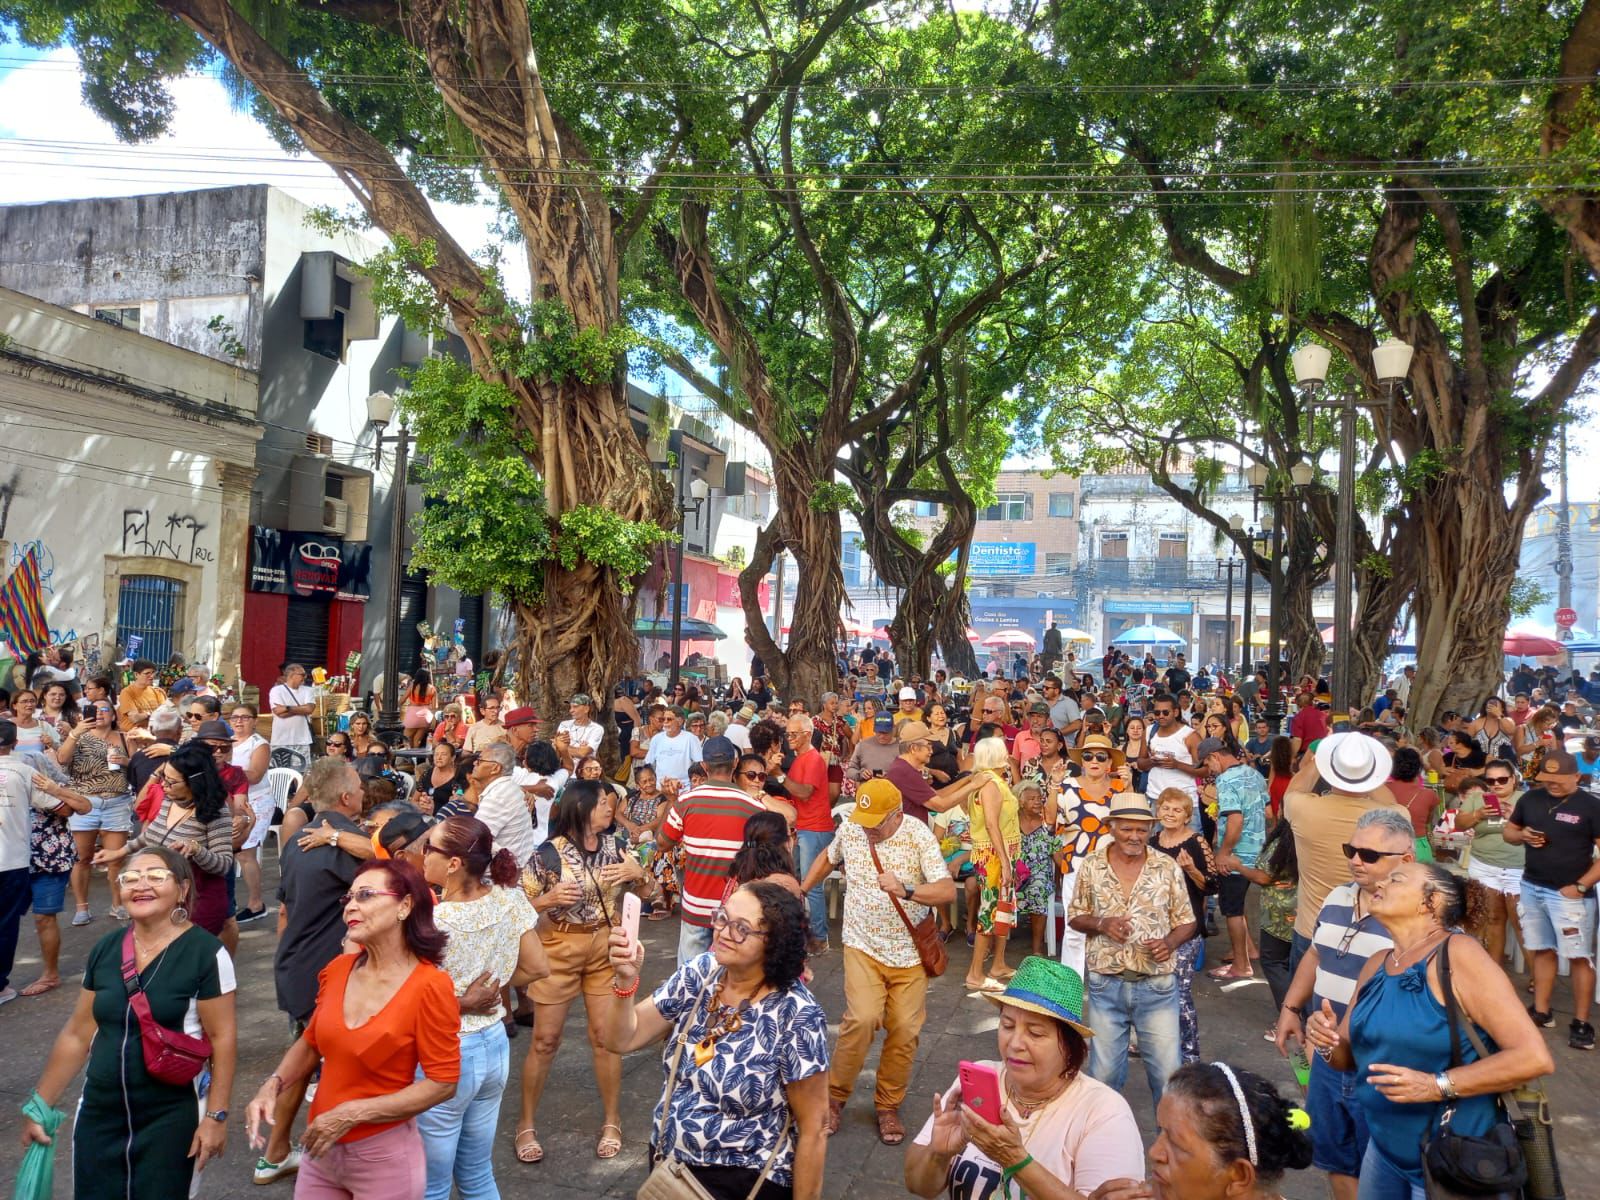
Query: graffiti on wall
(47, 563)
(176, 536)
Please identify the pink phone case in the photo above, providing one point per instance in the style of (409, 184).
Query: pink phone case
(630, 917)
(980, 1091)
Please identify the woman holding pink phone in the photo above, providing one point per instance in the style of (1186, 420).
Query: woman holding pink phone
(1033, 1117)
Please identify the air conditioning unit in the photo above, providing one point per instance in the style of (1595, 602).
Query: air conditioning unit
(335, 304)
(335, 517)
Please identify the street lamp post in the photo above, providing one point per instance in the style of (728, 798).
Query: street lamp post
(1277, 491)
(1390, 361)
(380, 411)
(1227, 605)
(691, 494)
(1236, 523)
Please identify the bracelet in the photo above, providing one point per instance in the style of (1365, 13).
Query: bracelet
(1011, 1172)
(623, 995)
(278, 1079)
(1447, 1088)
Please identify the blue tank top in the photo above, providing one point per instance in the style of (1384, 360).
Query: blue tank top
(1396, 1020)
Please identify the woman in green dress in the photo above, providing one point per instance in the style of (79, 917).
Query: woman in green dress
(136, 1136)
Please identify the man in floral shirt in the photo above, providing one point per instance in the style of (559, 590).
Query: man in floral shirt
(884, 983)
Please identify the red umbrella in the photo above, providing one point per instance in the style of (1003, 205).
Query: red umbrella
(972, 634)
(881, 634)
(1531, 645)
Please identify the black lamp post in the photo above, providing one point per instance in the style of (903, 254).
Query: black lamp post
(691, 494)
(380, 411)
(1276, 491)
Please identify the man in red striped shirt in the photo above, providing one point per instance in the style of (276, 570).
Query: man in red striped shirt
(709, 820)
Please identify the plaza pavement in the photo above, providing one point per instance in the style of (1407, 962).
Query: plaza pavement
(959, 1026)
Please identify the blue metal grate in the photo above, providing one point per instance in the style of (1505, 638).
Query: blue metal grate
(150, 608)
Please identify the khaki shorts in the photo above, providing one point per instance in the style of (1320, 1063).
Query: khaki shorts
(580, 960)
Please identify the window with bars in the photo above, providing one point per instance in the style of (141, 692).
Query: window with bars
(150, 608)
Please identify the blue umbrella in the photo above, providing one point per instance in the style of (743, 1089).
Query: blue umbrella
(1148, 635)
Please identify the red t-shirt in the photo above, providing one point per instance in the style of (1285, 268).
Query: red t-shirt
(709, 820)
(815, 813)
(1310, 724)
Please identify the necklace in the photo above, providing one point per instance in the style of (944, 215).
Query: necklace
(1026, 1109)
(1397, 960)
(722, 1020)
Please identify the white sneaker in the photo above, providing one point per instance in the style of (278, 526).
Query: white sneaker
(267, 1172)
(82, 917)
(7, 995)
(118, 913)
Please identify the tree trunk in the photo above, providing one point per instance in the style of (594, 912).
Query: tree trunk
(950, 625)
(808, 668)
(1379, 599)
(1469, 547)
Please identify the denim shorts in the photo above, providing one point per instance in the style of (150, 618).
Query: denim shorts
(1338, 1126)
(107, 814)
(49, 891)
(1546, 914)
(1230, 895)
(1505, 880)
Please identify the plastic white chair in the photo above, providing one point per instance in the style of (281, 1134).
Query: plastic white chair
(832, 895)
(281, 781)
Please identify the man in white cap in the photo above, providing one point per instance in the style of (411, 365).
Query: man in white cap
(909, 709)
(1354, 766)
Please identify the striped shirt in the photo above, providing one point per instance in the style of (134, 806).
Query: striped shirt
(1343, 947)
(709, 820)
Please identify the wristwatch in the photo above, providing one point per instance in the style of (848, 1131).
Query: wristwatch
(220, 1114)
(910, 891)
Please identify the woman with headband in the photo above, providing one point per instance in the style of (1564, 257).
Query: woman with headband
(1226, 1134)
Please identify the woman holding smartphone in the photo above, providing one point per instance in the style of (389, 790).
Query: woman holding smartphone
(1058, 1132)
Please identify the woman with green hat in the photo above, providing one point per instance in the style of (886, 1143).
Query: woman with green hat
(1061, 1132)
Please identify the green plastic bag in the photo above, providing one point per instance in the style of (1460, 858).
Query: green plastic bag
(36, 1175)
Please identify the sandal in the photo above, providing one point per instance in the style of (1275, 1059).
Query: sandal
(608, 1146)
(993, 986)
(530, 1151)
(39, 987)
(890, 1131)
(1227, 972)
(835, 1110)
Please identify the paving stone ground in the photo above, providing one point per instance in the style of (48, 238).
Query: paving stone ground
(959, 1026)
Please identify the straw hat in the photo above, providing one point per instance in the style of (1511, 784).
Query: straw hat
(1097, 741)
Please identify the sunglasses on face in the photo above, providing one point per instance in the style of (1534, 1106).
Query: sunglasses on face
(1368, 855)
(1096, 756)
(363, 896)
(130, 879)
(753, 776)
(1496, 780)
(194, 716)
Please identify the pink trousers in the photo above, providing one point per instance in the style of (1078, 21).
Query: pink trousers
(386, 1166)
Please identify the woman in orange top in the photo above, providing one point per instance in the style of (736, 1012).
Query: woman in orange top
(381, 1013)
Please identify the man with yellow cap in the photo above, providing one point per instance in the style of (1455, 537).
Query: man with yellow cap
(894, 874)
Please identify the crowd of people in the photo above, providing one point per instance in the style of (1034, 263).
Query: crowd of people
(432, 903)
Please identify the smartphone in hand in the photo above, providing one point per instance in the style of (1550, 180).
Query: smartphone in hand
(980, 1091)
(631, 907)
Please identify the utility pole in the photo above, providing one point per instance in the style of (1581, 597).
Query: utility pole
(1563, 537)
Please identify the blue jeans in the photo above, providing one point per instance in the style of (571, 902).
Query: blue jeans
(1380, 1180)
(693, 941)
(1148, 1006)
(811, 845)
(458, 1133)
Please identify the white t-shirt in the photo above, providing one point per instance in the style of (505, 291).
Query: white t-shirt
(585, 736)
(1084, 1137)
(739, 735)
(17, 800)
(296, 730)
(503, 809)
(542, 805)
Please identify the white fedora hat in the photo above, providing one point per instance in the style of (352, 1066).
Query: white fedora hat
(1353, 762)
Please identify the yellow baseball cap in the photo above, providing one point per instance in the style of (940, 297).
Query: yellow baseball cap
(875, 800)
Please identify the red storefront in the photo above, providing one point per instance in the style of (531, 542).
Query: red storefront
(305, 601)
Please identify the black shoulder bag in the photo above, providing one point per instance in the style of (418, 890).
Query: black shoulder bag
(1516, 1159)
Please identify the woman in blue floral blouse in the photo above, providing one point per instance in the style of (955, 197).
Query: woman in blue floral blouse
(746, 1059)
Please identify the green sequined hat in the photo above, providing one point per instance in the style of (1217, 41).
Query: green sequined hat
(1049, 988)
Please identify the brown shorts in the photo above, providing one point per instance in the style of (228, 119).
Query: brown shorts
(580, 960)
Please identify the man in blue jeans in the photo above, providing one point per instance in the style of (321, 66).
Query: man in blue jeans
(1346, 936)
(805, 785)
(1559, 825)
(1133, 908)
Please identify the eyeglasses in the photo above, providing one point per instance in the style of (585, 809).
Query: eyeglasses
(241, 717)
(738, 931)
(753, 776)
(1367, 855)
(1096, 756)
(363, 896)
(130, 879)
(429, 848)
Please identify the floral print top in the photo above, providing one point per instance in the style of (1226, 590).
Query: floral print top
(1039, 848)
(730, 1112)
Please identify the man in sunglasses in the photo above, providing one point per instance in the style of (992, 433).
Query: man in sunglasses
(1558, 825)
(1171, 753)
(1344, 936)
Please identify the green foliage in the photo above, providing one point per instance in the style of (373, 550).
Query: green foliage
(601, 537)
(830, 497)
(484, 525)
(227, 336)
(1376, 565)
(1527, 596)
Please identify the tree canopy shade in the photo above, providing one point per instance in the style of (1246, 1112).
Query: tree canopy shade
(1383, 168)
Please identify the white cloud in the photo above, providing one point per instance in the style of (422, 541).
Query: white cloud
(52, 147)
